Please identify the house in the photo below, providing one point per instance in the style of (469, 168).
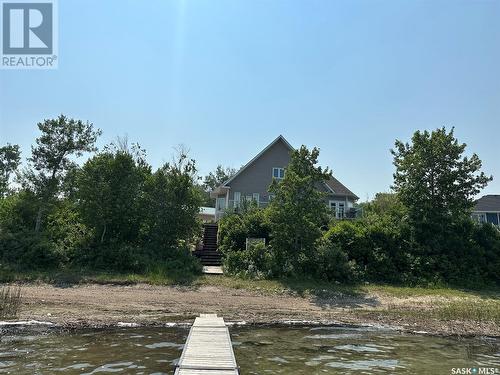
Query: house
(487, 210)
(252, 182)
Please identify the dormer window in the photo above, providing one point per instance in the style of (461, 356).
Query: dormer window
(278, 173)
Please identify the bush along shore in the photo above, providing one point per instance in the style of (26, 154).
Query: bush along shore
(113, 216)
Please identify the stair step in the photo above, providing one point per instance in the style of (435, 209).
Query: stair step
(208, 255)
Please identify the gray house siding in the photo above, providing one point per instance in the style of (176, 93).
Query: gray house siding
(258, 176)
(492, 217)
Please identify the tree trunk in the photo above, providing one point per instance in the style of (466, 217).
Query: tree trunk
(103, 233)
(38, 222)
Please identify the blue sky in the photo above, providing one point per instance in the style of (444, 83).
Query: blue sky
(226, 77)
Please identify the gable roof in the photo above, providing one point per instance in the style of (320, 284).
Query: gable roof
(333, 185)
(488, 203)
(338, 188)
(280, 138)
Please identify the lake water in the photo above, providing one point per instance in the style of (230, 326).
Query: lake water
(259, 350)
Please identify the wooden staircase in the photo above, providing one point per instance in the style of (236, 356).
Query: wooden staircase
(208, 255)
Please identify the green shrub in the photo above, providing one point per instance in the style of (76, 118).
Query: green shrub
(235, 228)
(470, 255)
(66, 231)
(177, 259)
(18, 212)
(334, 265)
(377, 247)
(351, 237)
(27, 249)
(487, 238)
(256, 262)
(121, 257)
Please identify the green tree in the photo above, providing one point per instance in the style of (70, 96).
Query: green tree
(10, 157)
(435, 181)
(20, 245)
(297, 212)
(384, 205)
(173, 203)
(18, 212)
(61, 140)
(110, 194)
(213, 180)
(218, 177)
(67, 233)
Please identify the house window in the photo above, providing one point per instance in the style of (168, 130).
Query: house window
(256, 197)
(270, 197)
(220, 204)
(278, 173)
(338, 208)
(237, 199)
(333, 206)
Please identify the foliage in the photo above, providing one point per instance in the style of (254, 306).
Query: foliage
(67, 232)
(172, 202)
(27, 249)
(487, 240)
(383, 251)
(469, 255)
(20, 245)
(113, 213)
(138, 218)
(212, 181)
(60, 140)
(435, 182)
(377, 251)
(18, 211)
(235, 228)
(218, 177)
(297, 213)
(10, 157)
(385, 205)
(333, 264)
(255, 262)
(110, 194)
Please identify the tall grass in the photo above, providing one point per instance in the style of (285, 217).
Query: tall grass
(479, 310)
(10, 302)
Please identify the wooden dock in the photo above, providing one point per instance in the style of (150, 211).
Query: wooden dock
(208, 349)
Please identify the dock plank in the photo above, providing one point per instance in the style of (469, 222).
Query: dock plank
(208, 349)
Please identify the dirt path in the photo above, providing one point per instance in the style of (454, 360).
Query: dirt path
(104, 305)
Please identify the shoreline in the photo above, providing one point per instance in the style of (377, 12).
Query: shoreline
(36, 327)
(104, 306)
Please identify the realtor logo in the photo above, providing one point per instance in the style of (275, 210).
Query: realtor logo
(29, 34)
